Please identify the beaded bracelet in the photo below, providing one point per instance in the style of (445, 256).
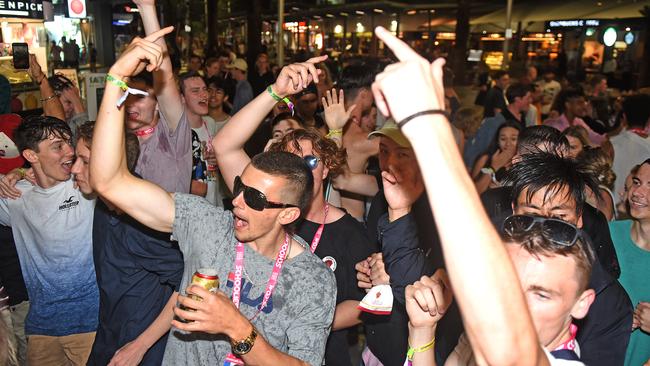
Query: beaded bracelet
(280, 99)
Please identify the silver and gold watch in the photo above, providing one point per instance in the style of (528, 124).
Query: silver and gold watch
(244, 346)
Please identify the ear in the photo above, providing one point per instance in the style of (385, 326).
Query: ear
(30, 155)
(326, 171)
(182, 99)
(579, 223)
(289, 215)
(581, 307)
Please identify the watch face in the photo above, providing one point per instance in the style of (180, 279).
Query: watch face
(242, 348)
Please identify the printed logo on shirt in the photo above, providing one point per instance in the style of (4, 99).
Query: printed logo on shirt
(330, 262)
(71, 202)
(245, 290)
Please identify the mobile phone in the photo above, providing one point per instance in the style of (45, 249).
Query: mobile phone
(21, 56)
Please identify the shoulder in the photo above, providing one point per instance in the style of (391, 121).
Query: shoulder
(189, 205)
(619, 229)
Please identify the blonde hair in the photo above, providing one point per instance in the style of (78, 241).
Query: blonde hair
(597, 163)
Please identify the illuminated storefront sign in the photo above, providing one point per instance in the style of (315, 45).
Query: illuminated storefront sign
(32, 9)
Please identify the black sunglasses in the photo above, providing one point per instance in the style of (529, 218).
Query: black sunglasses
(312, 161)
(556, 231)
(254, 198)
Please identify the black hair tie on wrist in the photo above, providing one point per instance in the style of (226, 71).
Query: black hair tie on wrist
(406, 120)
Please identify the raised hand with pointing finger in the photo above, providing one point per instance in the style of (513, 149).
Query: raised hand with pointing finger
(295, 77)
(423, 80)
(141, 54)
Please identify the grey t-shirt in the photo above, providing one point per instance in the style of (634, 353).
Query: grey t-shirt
(296, 319)
(166, 157)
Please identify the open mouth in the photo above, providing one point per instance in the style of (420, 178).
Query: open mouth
(240, 223)
(133, 116)
(67, 166)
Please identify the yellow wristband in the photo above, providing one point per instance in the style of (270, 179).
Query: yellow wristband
(333, 133)
(22, 172)
(115, 81)
(411, 351)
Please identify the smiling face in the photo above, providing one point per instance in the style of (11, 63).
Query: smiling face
(552, 290)
(195, 96)
(54, 158)
(80, 167)
(638, 195)
(141, 111)
(216, 97)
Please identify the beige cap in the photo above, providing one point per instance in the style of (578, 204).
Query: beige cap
(239, 64)
(391, 131)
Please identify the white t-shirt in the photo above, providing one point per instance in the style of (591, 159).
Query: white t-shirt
(217, 189)
(53, 228)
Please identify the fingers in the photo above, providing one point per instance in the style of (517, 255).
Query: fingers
(153, 37)
(317, 59)
(341, 96)
(401, 50)
(331, 95)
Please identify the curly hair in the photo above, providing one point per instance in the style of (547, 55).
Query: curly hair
(598, 164)
(332, 156)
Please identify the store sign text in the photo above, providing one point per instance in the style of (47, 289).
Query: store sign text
(22, 9)
(574, 23)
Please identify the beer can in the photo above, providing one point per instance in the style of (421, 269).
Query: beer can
(206, 278)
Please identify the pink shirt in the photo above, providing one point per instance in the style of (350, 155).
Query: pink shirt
(562, 123)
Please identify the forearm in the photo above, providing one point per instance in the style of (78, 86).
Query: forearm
(346, 315)
(358, 183)
(169, 97)
(51, 104)
(109, 175)
(160, 325)
(228, 144)
(491, 293)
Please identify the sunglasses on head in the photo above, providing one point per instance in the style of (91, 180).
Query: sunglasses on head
(254, 198)
(556, 231)
(312, 161)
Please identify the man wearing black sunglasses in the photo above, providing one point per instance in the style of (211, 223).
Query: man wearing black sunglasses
(334, 236)
(547, 185)
(282, 296)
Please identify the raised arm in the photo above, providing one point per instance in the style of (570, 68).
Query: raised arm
(228, 144)
(51, 104)
(496, 315)
(167, 93)
(109, 175)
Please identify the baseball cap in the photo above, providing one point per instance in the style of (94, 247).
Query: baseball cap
(238, 63)
(390, 130)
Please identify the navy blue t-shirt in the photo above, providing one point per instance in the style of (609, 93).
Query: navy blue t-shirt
(137, 271)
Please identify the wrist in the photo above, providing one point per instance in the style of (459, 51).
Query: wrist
(239, 329)
(421, 335)
(117, 74)
(397, 213)
(429, 123)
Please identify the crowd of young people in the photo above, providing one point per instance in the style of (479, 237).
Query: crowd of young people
(333, 217)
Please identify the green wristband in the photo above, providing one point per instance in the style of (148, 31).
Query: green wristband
(280, 99)
(115, 81)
